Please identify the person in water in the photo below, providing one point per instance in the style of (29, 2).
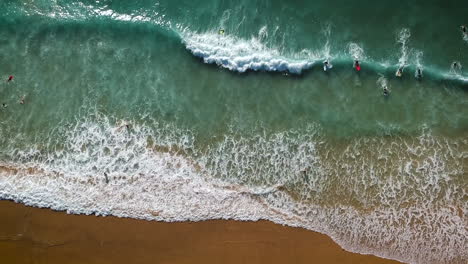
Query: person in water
(22, 98)
(419, 73)
(357, 66)
(386, 92)
(124, 124)
(326, 65)
(463, 29)
(10, 78)
(107, 178)
(4, 105)
(399, 72)
(221, 31)
(456, 65)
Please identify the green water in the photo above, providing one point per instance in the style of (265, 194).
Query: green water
(251, 108)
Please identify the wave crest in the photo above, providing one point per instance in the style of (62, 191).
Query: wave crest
(241, 55)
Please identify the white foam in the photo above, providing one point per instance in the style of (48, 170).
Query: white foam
(142, 182)
(326, 31)
(263, 33)
(241, 55)
(382, 82)
(224, 19)
(418, 62)
(81, 11)
(394, 184)
(356, 51)
(403, 37)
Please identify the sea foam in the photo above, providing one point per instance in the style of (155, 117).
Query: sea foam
(403, 38)
(403, 198)
(356, 51)
(241, 55)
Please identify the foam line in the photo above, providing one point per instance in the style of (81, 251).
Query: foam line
(241, 55)
(104, 169)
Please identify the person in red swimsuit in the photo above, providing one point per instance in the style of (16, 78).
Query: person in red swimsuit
(357, 66)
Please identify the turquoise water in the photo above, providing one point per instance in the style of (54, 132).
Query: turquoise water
(246, 124)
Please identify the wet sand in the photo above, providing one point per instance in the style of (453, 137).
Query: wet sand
(33, 235)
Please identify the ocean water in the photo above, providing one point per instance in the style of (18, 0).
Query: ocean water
(145, 109)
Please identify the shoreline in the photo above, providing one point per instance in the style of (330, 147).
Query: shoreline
(39, 235)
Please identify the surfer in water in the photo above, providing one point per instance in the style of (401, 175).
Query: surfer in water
(326, 65)
(419, 73)
(4, 105)
(356, 65)
(221, 31)
(463, 29)
(456, 67)
(10, 78)
(399, 72)
(386, 92)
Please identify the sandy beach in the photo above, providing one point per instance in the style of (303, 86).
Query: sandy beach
(33, 235)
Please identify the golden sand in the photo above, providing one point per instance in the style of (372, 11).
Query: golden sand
(32, 235)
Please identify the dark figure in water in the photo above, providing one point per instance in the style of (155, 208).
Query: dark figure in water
(4, 105)
(455, 65)
(107, 178)
(326, 65)
(463, 29)
(386, 92)
(124, 124)
(357, 66)
(419, 73)
(10, 78)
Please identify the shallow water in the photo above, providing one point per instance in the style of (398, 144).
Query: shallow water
(245, 124)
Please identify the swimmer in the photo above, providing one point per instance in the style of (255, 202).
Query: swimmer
(10, 78)
(399, 72)
(463, 29)
(4, 105)
(124, 124)
(221, 31)
(107, 178)
(22, 99)
(386, 92)
(356, 65)
(326, 65)
(419, 73)
(455, 65)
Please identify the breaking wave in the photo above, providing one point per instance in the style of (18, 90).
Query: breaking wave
(241, 55)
